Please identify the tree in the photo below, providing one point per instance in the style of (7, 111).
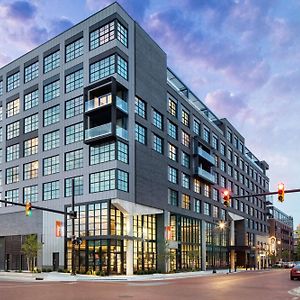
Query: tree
(298, 251)
(30, 248)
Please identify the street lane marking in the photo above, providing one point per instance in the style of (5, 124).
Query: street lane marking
(295, 292)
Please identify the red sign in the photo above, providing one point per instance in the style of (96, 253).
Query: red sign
(58, 229)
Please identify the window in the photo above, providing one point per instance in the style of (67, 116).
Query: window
(172, 197)
(74, 107)
(229, 153)
(222, 149)
(185, 117)
(51, 115)
(140, 133)
(140, 107)
(215, 211)
(30, 170)
(30, 194)
(74, 50)
(102, 153)
(12, 108)
(74, 133)
(51, 190)
(31, 123)
(12, 130)
(197, 186)
(51, 61)
(102, 181)
(74, 81)
(78, 186)
(172, 175)
(12, 175)
(185, 201)
(229, 136)
(185, 180)
(31, 147)
(13, 81)
(197, 206)
(172, 130)
(222, 165)
(51, 165)
(122, 181)
(102, 68)
(157, 144)
(1, 87)
(172, 152)
(122, 34)
(215, 142)
(31, 72)
(122, 152)
(207, 209)
(206, 190)
(12, 196)
(51, 140)
(157, 119)
(31, 100)
(185, 139)
(51, 91)
(74, 160)
(1, 113)
(172, 107)
(102, 35)
(206, 134)
(12, 152)
(185, 159)
(122, 67)
(215, 194)
(196, 126)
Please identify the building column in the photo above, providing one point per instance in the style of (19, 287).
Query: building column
(129, 247)
(163, 250)
(232, 252)
(203, 245)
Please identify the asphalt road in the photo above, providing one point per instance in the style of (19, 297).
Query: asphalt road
(254, 285)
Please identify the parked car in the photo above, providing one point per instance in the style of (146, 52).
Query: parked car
(295, 272)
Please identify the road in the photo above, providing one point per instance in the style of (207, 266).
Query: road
(265, 285)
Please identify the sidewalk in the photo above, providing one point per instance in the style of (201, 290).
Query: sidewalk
(55, 276)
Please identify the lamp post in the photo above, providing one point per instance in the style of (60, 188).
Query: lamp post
(219, 226)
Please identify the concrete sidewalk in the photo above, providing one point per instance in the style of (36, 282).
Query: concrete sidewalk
(56, 276)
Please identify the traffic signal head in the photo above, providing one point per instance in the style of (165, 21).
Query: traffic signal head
(226, 198)
(281, 192)
(28, 209)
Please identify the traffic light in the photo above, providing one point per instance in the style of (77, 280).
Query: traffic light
(226, 198)
(28, 209)
(281, 192)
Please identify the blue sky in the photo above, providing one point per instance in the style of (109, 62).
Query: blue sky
(241, 57)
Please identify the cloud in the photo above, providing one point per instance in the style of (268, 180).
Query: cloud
(21, 10)
(59, 25)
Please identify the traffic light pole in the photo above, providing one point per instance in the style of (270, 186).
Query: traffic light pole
(265, 194)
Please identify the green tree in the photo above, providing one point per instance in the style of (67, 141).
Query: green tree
(30, 248)
(298, 250)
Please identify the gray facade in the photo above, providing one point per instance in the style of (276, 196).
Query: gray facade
(110, 64)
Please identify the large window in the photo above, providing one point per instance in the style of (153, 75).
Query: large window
(12, 130)
(51, 91)
(102, 181)
(185, 139)
(51, 190)
(172, 152)
(51, 140)
(78, 186)
(185, 180)
(172, 175)
(140, 107)
(31, 72)
(1, 87)
(13, 81)
(122, 34)
(122, 67)
(12, 108)
(172, 130)
(122, 183)
(51, 61)
(30, 194)
(31, 123)
(102, 35)
(185, 117)
(74, 159)
(30, 170)
(51, 115)
(102, 153)
(74, 50)
(12, 152)
(51, 165)
(74, 133)
(122, 154)
(172, 197)
(31, 146)
(31, 100)
(74, 81)
(172, 107)
(157, 119)
(12, 175)
(140, 134)
(12, 196)
(185, 201)
(74, 107)
(157, 144)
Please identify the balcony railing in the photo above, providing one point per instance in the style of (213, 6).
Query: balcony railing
(97, 102)
(123, 133)
(206, 155)
(123, 105)
(205, 175)
(98, 131)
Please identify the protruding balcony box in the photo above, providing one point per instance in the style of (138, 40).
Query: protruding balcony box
(202, 153)
(122, 104)
(123, 133)
(98, 132)
(98, 102)
(205, 175)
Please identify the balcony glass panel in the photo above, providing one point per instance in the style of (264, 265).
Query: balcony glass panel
(98, 131)
(206, 175)
(206, 155)
(123, 105)
(98, 102)
(123, 133)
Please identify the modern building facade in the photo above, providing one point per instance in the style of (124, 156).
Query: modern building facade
(150, 160)
(281, 234)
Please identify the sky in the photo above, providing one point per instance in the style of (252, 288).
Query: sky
(240, 57)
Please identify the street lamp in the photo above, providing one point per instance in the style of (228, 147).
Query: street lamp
(219, 226)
